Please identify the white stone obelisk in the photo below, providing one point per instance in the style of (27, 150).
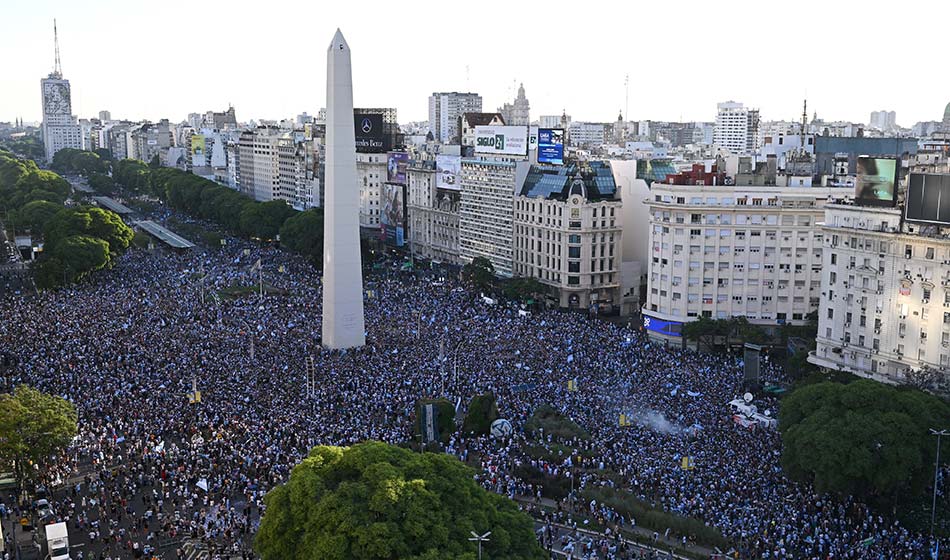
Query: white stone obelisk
(343, 324)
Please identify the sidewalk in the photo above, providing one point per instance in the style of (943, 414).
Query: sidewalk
(639, 536)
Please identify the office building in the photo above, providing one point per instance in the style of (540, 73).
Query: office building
(433, 215)
(486, 208)
(371, 173)
(445, 110)
(519, 112)
(586, 134)
(567, 234)
(150, 140)
(60, 129)
(258, 164)
(885, 121)
(105, 116)
(297, 160)
(736, 128)
(885, 306)
(725, 251)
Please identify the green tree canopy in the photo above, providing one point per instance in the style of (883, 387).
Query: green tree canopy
(101, 183)
(374, 501)
(82, 254)
(303, 233)
(482, 411)
(479, 273)
(132, 174)
(863, 438)
(90, 221)
(33, 428)
(37, 214)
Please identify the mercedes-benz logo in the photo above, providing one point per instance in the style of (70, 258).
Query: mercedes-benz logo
(367, 126)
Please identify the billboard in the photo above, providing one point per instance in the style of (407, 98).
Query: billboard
(501, 140)
(928, 198)
(197, 146)
(669, 328)
(393, 219)
(876, 184)
(448, 169)
(369, 133)
(551, 145)
(397, 162)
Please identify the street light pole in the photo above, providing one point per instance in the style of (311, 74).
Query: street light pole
(933, 507)
(480, 539)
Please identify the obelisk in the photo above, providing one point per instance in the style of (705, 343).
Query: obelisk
(343, 324)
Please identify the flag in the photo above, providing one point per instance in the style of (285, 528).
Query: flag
(572, 385)
(688, 463)
(194, 397)
(247, 252)
(224, 242)
(280, 269)
(623, 421)
(257, 266)
(203, 484)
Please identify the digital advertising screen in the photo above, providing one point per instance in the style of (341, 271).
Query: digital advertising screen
(393, 219)
(670, 328)
(397, 163)
(928, 199)
(876, 183)
(448, 169)
(501, 140)
(551, 146)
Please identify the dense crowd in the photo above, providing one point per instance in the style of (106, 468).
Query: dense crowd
(127, 347)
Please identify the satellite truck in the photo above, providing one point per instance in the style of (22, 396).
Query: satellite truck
(57, 541)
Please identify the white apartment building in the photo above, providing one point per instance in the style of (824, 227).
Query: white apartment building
(486, 210)
(371, 173)
(60, 129)
(736, 128)
(297, 162)
(567, 234)
(885, 306)
(586, 135)
(725, 251)
(433, 215)
(258, 168)
(444, 112)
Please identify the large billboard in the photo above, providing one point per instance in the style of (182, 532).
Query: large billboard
(501, 140)
(369, 133)
(393, 219)
(876, 183)
(551, 145)
(397, 162)
(669, 328)
(198, 154)
(448, 169)
(928, 198)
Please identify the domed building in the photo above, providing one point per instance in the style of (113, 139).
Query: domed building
(946, 116)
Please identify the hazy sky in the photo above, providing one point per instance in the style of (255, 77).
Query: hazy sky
(153, 59)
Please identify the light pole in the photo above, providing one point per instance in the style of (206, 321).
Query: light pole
(933, 508)
(455, 362)
(480, 539)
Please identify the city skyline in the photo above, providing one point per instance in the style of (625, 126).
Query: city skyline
(164, 73)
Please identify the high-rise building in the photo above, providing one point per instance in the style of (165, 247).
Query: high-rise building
(60, 129)
(433, 214)
(149, 140)
(586, 135)
(258, 163)
(371, 173)
(105, 116)
(737, 128)
(883, 120)
(486, 210)
(519, 112)
(445, 110)
(567, 234)
(886, 287)
(727, 251)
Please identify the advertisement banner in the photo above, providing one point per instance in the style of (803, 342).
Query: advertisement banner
(928, 198)
(197, 147)
(670, 328)
(396, 167)
(876, 183)
(448, 169)
(551, 145)
(501, 140)
(369, 133)
(393, 219)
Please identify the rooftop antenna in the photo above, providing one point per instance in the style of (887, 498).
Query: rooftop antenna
(626, 107)
(466, 78)
(57, 69)
(804, 118)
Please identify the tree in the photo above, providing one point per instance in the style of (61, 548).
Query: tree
(131, 174)
(303, 234)
(862, 438)
(102, 184)
(482, 411)
(82, 254)
(108, 225)
(33, 428)
(523, 288)
(374, 501)
(479, 273)
(37, 214)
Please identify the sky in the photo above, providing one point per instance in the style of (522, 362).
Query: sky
(150, 60)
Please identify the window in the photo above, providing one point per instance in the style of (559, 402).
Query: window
(574, 252)
(574, 266)
(573, 238)
(573, 280)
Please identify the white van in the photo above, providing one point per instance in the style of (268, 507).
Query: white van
(57, 541)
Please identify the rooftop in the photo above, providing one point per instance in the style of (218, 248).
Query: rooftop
(168, 237)
(555, 181)
(110, 204)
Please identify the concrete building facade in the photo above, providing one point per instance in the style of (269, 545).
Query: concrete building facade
(60, 129)
(444, 112)
(722, 251)
(371, 173)
(433, 215)
(736, 128)
(885, 306)
(486, 210)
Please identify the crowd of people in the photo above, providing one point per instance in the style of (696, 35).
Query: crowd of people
(152, 467)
